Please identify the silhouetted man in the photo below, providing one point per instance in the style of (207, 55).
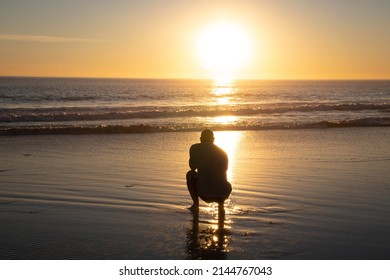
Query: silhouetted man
(207, 178)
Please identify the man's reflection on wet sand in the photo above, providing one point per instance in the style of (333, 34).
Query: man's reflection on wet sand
(207, 239)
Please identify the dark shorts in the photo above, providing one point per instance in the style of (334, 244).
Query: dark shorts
(192, 179)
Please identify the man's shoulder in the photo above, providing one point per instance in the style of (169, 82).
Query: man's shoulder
(195, 146)
(203, 146)
(206, 147)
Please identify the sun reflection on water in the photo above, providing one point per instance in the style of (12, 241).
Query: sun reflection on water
(223, 91)
(223, 100)
(229, 141)
(208, 238)
(224, 119)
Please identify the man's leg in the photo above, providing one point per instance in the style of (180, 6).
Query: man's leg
(221, 206)
(191, 185)
(221, 214)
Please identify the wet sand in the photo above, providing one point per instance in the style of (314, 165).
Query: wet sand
(297, 194)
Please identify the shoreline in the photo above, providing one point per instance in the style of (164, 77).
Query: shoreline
(145, 128)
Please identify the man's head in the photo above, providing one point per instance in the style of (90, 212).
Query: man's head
(207, 136)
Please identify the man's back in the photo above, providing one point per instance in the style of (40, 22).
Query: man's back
(212, 164)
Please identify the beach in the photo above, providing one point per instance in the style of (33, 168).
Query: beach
(297, 194)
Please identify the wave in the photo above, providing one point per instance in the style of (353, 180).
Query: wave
(128, 113)
(143, 128)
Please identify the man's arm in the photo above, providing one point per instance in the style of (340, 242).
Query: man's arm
(192, 162)
(226, 161)
(223, 160)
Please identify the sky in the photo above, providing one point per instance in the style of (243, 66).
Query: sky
(289, 39)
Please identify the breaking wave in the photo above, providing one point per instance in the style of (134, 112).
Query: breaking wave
(99, 114)
(150, 128)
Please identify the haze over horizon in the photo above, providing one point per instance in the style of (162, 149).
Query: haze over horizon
(160, 39)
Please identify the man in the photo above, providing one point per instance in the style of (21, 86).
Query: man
(207, 178)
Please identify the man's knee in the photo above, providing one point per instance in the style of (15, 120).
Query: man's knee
(191, 175)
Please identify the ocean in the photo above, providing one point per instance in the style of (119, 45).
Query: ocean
(77, 106)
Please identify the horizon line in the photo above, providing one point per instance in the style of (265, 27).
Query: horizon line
(182, 78)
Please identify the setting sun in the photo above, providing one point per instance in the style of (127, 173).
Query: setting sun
(224, 48)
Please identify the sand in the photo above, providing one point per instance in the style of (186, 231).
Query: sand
(297, 194)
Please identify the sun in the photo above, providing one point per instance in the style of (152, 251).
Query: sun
(224, 48)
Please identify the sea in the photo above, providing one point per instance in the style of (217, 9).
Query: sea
(30, 106)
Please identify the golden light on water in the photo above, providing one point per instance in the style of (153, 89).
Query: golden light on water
(223, 100)
(223, 91)
(229, 141)
(214, 237)
(225, 119)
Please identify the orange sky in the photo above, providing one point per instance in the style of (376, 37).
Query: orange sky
(158, 39)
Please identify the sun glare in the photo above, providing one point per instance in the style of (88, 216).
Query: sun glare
(229, 141)
(224, 48)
